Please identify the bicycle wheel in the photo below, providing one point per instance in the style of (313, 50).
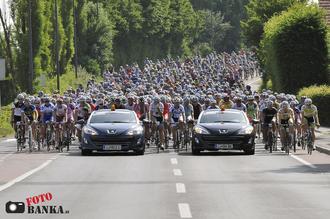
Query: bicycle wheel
(30, 139)
(270, 142)
(294, 141)
(286, 143)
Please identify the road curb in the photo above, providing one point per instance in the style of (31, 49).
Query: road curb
(323, 150)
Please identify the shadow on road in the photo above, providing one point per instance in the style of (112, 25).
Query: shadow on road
(320, 168)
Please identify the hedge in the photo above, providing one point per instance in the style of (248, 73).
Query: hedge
(5, 127)
(295, 50)
(321, 98)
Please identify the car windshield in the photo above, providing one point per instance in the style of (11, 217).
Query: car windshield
(223, 117)
(113, 117)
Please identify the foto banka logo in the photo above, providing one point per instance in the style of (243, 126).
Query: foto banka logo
(36, 205)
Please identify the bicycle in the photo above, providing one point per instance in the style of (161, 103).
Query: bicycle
(188, 134)
(30, 136)
(287, 138)
(38, 136)
(20, 136)
(309, 140)
(179, 138)
(271, 138)
(49, 135)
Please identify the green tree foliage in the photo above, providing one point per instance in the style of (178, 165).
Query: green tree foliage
(95, 35)
(295, 48)
(212, 31)
(258, 13)
(232, 11)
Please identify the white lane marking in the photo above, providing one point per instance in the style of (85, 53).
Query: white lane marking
(174, 161)
(180, 188)
(6, 156)
(25, 175)
(184, 210)
(9, 140)
(177, 172)
(303, 161)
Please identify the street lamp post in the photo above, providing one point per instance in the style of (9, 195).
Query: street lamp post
(30, 78)
(75, 39)
(56, 47)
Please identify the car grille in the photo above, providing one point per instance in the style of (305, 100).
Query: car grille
(99, 140)
(225, 139)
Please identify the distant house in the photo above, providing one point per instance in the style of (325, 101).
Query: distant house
(326, 5)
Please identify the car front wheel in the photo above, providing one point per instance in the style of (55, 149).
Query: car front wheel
(250, 151)
(86, 152)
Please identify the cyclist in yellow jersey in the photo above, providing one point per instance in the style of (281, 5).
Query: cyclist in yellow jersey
(285, 116)
(226, 103)
(309, 117)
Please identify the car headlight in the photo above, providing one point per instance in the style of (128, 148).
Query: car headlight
(90, 131)
(200, 130)
(246, 131)
(135, 131)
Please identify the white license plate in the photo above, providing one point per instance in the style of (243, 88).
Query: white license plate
(224, 146)
(112, 147)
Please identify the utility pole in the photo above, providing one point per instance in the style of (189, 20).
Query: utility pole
(56, 45)
(30, 78)
(75, 39)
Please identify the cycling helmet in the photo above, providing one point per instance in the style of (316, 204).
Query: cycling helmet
(285, 104)
(156, 99)
(250, 97)
(20, 97)
(82, 99)
(269, 103)
(308, 101)
(176, 100)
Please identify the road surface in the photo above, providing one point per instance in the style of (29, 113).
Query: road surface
(168, 185)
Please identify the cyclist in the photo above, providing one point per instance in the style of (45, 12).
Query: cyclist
(297, 120)
(130, 103)
(309, 115)
(177, 117)
(197, 107)
(156, 115)
(285, 117)
(267, 116)
(238, 105)
(251, 109)
(70, 115)
(60, 115)
(47, 110)
(101, 105)
(29, 115)
(16, 112)
(226, 103)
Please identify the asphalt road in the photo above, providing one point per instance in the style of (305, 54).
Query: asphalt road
(168, 185)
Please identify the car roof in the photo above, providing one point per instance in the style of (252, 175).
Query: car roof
(223, 111)
(113, 111)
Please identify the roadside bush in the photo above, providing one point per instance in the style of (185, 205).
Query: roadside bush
(295, 50)
(321, 98)
(5, 127)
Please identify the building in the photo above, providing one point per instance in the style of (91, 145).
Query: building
(325, 4)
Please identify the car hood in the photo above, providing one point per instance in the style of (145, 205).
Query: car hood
(230, 128)
(113, 128)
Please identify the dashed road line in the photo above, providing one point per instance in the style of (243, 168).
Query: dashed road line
(174, 161)
(180, 188)
(177, 172)
(184, 210)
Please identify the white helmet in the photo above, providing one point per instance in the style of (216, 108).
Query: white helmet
(285, 104)
(308, 101)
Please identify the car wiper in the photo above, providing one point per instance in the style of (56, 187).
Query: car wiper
(224, 121)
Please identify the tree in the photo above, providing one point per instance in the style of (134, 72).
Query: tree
(258, 13)
(295, 48)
